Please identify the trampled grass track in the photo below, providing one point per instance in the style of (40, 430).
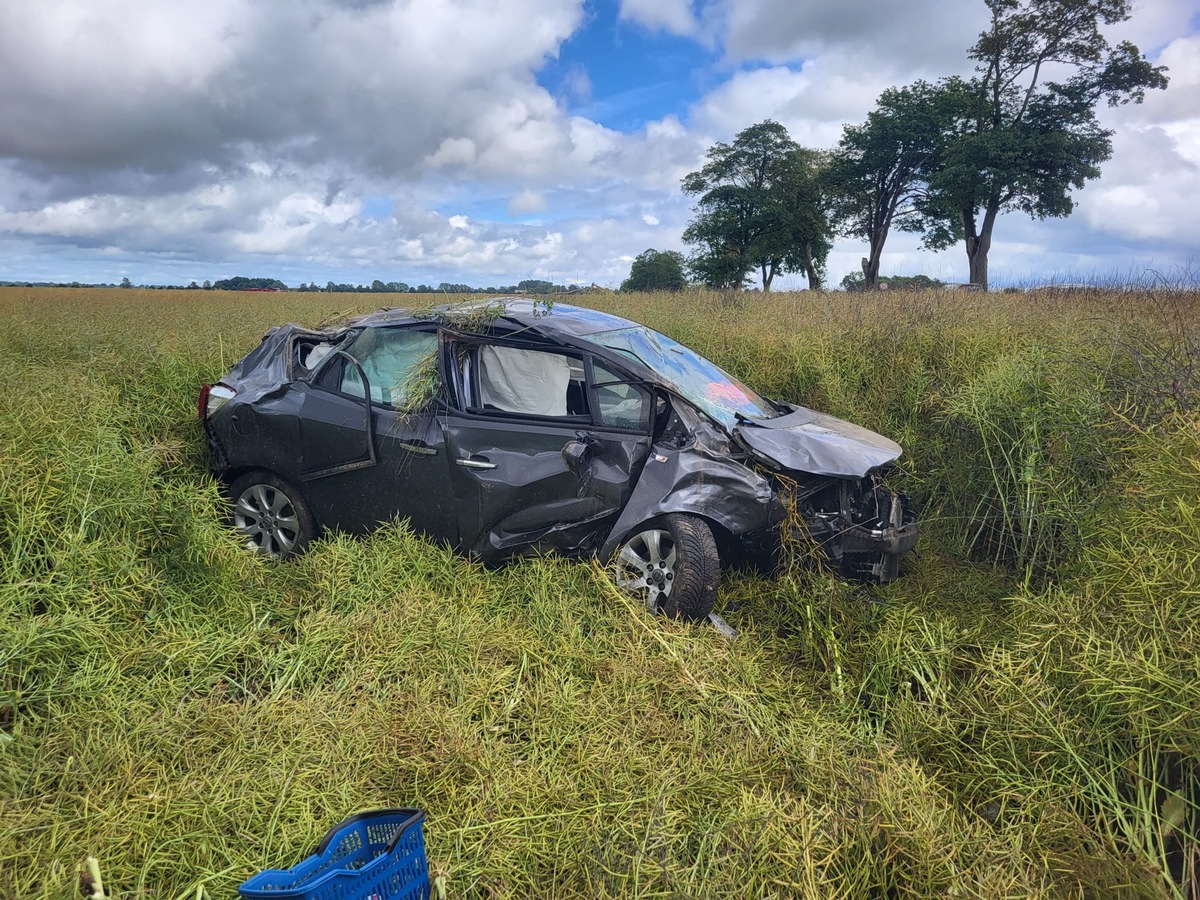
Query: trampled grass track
(1016, 717)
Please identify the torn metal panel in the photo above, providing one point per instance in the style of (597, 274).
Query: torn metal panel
(805, 440)
(272, 364)
(516, 485)
(694, 479)
(569, 538)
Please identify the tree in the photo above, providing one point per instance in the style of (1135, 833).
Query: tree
(126, 283)
(758, 208)
(856, 282)
(805, 239)
(655, 271)
(876, 176)
(1026, 141)
(242, 283)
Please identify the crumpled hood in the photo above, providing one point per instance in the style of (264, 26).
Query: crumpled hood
(809, 441)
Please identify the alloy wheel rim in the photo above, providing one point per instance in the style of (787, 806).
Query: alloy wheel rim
(267, 519)
(646, 566)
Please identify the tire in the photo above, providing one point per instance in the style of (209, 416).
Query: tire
(271, 515)
(672, 564)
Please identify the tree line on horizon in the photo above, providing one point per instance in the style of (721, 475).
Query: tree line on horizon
(243, 283)
(942, 159)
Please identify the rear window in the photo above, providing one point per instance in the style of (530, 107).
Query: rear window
(390, 357)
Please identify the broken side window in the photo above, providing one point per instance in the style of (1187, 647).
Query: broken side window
(309, 353)
(621, 404)
(312, 355)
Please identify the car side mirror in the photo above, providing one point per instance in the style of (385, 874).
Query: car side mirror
(577, 451)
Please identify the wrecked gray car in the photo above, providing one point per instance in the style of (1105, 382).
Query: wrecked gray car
(515, 427)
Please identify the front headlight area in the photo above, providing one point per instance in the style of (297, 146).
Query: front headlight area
(861, 525)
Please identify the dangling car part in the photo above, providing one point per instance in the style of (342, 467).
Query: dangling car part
(516, 427)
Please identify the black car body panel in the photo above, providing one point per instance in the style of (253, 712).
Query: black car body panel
(553, 428)
(805, 440)
(696, 478)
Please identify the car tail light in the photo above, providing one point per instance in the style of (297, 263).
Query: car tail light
(212, 397)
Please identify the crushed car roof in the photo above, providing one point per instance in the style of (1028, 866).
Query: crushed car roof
(550, 317)
(801, 439)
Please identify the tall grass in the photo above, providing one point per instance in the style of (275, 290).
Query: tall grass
(1016, 717)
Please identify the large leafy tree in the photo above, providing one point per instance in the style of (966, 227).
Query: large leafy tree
(757, 209)
(804, 239)
(876, 175)
(653, 270)
(1029, 134)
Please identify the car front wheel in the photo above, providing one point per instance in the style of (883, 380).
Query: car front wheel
(672, 565)
(271, 515)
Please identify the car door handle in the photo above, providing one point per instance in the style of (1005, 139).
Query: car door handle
(475, 464)
(418, 447)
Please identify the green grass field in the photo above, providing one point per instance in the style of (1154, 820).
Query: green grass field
(1018, 716)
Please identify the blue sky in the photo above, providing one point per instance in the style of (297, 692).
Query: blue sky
(489, 142)
(623, 75)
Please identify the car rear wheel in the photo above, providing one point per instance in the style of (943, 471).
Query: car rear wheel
(672, 565)
(271, 515)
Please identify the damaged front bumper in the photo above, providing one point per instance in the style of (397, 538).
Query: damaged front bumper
(862, 527)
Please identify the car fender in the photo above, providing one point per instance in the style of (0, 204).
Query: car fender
(260, 435)
(695, 480)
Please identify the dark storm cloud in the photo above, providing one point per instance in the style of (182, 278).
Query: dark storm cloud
(921, 37)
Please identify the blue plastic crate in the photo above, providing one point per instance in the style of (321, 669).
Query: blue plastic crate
(377, 855)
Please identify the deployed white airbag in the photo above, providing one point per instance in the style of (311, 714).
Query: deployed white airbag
(524, 381)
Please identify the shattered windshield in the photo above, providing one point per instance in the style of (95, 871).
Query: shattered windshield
(695, 378)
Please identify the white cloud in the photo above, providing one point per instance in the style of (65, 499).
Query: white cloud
(672, 16)
(526, 203)
(812, 103)
(1155, 23)
(458, 151)
(577, 84)
(1186, 136)
(1181, 99)
(1150, 190)
(138, 84)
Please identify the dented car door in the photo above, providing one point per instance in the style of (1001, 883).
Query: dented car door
(366, 461)
(535, 461)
